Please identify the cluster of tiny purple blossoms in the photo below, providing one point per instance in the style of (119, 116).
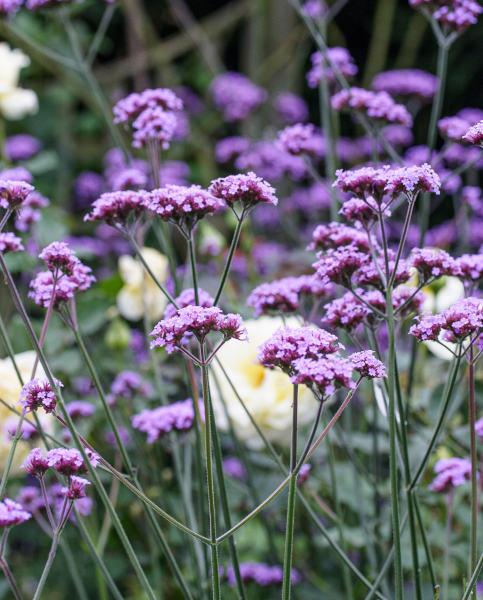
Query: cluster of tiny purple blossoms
(460, 321)
(183, 205)
(38, 393)
(175, 332)
(152, 115)
(66, 275)
(156, 422)
(455, 15)
(450, 473)
(379, 106)
(259, 573)
(236, 96)
(311, 356)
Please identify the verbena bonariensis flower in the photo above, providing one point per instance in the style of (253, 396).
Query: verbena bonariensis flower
(236, 96)
(432, 262)
(288, 344)
(78, 409)
(454, 14)
(462, 319)
(364, 182)
(154, 125)
(9, 242)
(370, 273)
(300, 139)
(10, 7)
(261, 574)
(38, 393)
(21, 146)
(12, 513)
(233, 467)
(183, 206)
(30, 497)
(248, 189)
(326, 65)
(129, 384)
(345, 313)
(339, 264)
(29, 212)
(376, 105)
(412, 180)
(450, 473)
(229, 148)
(362, 212)
(36, 463)
(15, 174)
(178, 416)
(325, 374)
(14, 193)
(117, 207)
(283, 295)
(334, 235)
(69, 461)
(199, 321)
(27, 430)
(187, 298)
(45, 287)
(406, 82)
(129, 179)
(469, 267)
(367, 365)
(59, 257)
(76, 488)
(133, 105)
(291, 108)
(474, 134)
(270, 161)
(453, 128)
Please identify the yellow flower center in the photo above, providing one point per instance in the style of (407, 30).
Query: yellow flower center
(254, 372)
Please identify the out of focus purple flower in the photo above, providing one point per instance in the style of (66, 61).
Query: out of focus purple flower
(406, 82)
(233, 467)
(291, 108)
(302, 139)
(304, 473)
(22, 146)
(156, 422)
(16, 174)
(174, 172)
(379, 106)
(139, 346)
(12, 513)
(78, 409)
(9, 242)
(268, 160)
(474, 135)
(236, 96)
(88, 187)
(450, 473)
(327, 65)
(10, 7)
(229, 148)
(260, 573)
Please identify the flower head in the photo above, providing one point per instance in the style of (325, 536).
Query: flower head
(129, 384)
(78, 409)
(77, 488)
(247, 188)
(14, 193)
(364, 182)
(59, 257)
(377, 105)
(302, 139)
(468, 267)
(38, 393)
(69, 461)
(432, 262)
(339, 264)
(12, 513)
(199, 321)
(36, 463)
(187, 298)
(474, 134)
(291, 108)
(329, 64)
(45, 288)
(367, 365)
(334, 235)
(130, 107)
(326, 374)
(117, 207)
(345, 312)
(178, 416)
(450, 473)
(406, 82)
(236, 96)
(411, 180)
(9, 242)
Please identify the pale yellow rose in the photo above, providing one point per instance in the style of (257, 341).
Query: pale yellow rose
(10, 392)
(140, 295)
(15, 102)
(267, 393)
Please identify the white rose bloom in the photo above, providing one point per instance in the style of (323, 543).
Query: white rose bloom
(15, 102)
(267, 393)
(140, 295)
(10, 393)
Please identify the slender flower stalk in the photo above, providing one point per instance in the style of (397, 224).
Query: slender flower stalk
(472, 560)
(291, 502)
(447, 545)
(231, 253)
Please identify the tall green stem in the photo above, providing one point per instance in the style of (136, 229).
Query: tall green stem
(194, 274)
(474, 467)
(393, 470)
(231, 252)
(215, 575)
(287, 559)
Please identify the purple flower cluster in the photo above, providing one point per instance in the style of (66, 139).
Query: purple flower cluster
(236, 96)
(66, 461)
(469, 267)
(80, 409)
(302, 139)
(22, 146)
(291, 108)
(260, 573)
(412, 180)
(367, 365)
(132, 106)
(270, 161)
(59, 257)
(233, 467)
(187, 298)
(14, 193)
(12, 513)
(462, 319)
(474, 134)
(450, 473)
(127, 385)
(454, 14)
(329, 64)
(38, 393)
(117, 207)
(345, 313)
(432, 262)
(283, 295)
(377, 105)
(199, 321)
(156, 422)
(335, 235)
(287, 345)
(326, 374)
(406, 82)
(9, 242)
(182, 205)
(249, 189)
(29, 212)
(338, 265)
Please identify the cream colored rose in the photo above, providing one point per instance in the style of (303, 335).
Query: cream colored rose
(140, 295)
(15, 102)
(267, 394)
(10, 392)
